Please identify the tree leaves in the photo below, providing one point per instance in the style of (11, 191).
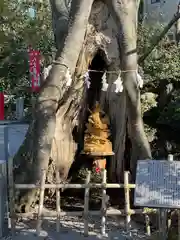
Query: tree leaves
(163, 63)
(17, 32)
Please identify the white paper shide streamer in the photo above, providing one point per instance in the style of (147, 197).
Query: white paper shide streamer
(104, 83)
(68, 78)
(87, 80)
(119, 84)
(47, 71)
(140, 81)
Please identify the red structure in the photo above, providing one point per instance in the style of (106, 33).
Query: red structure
(34, 69)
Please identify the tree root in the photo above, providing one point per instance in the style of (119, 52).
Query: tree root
(27, 201)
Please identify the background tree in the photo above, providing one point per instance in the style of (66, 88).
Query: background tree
(19, 30)
(22, 26)
(162, 81)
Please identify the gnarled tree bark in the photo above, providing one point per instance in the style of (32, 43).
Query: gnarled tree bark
(54, 92)
(125, 14)
(58, 106)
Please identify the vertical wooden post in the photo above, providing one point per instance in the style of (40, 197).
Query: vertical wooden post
(19, 108)
(33, 102)
(178, 224)
(103, 206)
(86, 205)
(163, 214)
(58, 204)
(169, 220)
(41, 201)
(11, 196)
(148, 228)
(127, 201)
(170, 159)
(168, 213)
(163, 224)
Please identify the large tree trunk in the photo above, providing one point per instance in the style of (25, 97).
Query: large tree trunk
(60, 19)
(125, 15)
(57, 107)
(55, 101)
(116, 108)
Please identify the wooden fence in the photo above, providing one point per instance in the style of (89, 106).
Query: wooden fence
(127, 211)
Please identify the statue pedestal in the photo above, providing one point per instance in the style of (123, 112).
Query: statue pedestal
(99, 158)
(98, 154)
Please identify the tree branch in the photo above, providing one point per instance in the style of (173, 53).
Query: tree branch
(60, 18)
(157, 39)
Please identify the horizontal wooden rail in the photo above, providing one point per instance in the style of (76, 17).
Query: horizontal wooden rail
(109, 212)
(74, 186)
(85, 213)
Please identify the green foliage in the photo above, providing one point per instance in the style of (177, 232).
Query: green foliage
(149, 101)
(18, 31)
(163, 63)
(171, 113)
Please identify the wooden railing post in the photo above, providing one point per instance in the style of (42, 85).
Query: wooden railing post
(127, 201)
(58, 202)
(127, 211)
(163, 213)
(86, 205)
(148, 228)
(11, 196)
(41, 202)
(104, 205)
(170, 159)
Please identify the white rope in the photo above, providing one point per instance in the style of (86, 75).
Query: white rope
(118, 82)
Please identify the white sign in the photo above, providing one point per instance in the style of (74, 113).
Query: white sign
(15, 135)
(157, 184)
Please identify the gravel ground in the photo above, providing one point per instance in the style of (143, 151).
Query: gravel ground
(72, 229)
